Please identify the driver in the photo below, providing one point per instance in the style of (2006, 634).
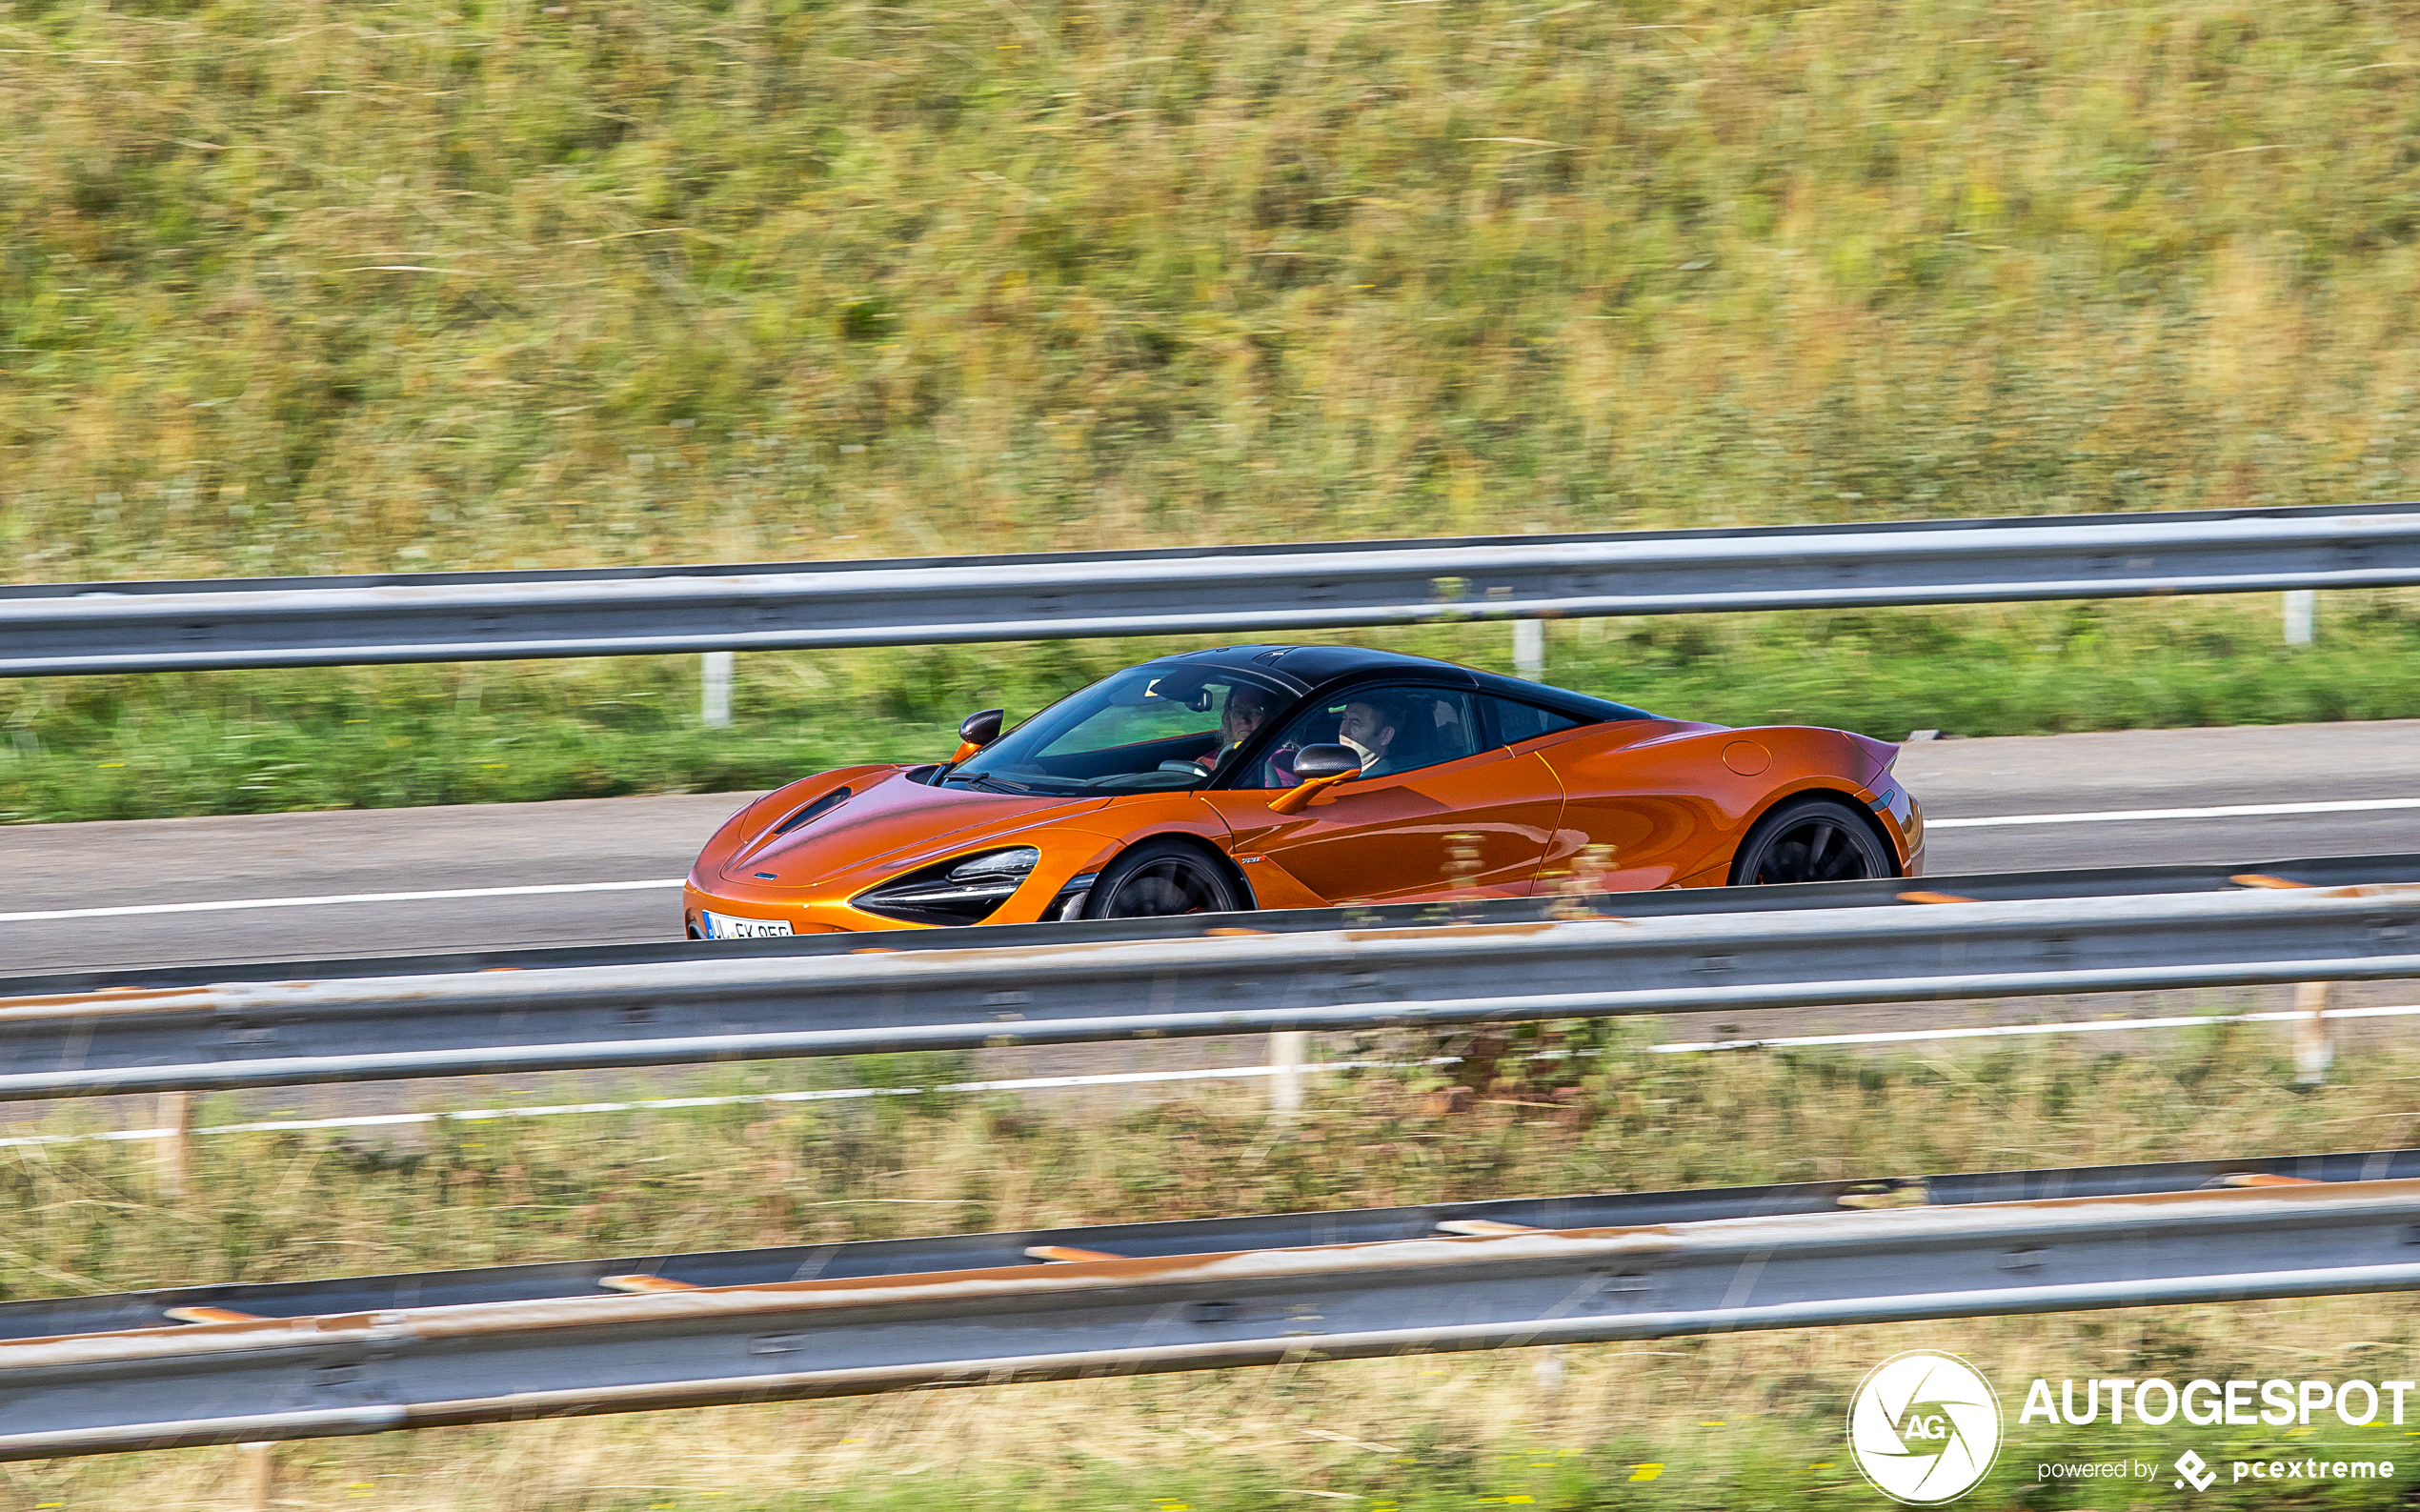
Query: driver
(1369, 726)
(1248, 708)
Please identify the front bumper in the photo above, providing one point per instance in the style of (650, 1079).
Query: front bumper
(1069, 862)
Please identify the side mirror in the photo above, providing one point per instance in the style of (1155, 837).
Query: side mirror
(1316, 769)
(976, 731)
(1325, 762)
(979, 730)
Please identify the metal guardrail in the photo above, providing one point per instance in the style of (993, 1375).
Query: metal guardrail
(59, 1315)
(2099, 881)
(273, 1033)
(256, 1380)
(123, 626)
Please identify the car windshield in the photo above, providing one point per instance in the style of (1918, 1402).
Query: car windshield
(1149, 729)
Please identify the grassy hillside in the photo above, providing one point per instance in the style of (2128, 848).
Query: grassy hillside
(293, 288)
(289, 287)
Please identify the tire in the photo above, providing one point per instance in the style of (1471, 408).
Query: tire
(1816, 839)
(1158, 879)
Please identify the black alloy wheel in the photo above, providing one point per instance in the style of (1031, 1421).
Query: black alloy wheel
(1811, 840)
(1158, 879)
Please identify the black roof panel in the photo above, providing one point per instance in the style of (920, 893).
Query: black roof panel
(1305, 668)
(1310, 665)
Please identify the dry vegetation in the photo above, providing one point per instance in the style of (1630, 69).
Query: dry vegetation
(81, 1217)
(1720, 1425)
(291, 287)
(275, 1206)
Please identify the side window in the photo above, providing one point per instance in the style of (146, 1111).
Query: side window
(1395, 729)
(1516, 722)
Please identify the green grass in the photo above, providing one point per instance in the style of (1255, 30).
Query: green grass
(1758, 1465)
(242, 742)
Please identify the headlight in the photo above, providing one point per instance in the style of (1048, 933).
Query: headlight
(965, 891)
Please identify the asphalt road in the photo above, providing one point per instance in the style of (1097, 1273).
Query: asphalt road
(611, 867)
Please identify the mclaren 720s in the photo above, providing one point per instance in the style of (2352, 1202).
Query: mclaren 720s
(1300, 776)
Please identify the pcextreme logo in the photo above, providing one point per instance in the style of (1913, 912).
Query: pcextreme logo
(1923, 1427)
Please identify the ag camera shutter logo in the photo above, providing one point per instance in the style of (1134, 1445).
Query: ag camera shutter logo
(1923, 1427)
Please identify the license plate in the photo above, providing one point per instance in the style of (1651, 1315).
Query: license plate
(728, 926)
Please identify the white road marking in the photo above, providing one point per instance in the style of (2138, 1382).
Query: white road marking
(2231, 811)
(2089, 1026)
(382, 1120)
(126, 910)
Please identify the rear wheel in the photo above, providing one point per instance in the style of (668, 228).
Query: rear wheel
(1811, 840)
(1158, 879)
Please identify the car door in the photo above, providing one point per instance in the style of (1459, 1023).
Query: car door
(1443, 810)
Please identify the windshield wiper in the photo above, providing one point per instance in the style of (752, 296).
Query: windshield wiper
(981, 780)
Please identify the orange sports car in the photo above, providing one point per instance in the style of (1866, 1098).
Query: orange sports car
(1300, 776)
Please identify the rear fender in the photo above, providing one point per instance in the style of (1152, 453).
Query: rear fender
(1865, 801)
(1878, 754)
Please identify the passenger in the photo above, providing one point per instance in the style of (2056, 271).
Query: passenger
(1369, 727)
(1248, 708)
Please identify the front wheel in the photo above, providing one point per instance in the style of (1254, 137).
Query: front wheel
(1816, 839)
(1158, 879)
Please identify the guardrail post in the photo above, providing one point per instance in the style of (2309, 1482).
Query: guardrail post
(256, 1473)
(1546, 1376)
(1288, 1048)
(713, 698)
(2302, 615)
(175, 1156)
(1529, 648)
(2314, 1049)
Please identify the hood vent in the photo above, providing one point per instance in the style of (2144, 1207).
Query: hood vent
(812, 811)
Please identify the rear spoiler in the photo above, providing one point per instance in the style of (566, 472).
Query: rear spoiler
(1879, 756)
